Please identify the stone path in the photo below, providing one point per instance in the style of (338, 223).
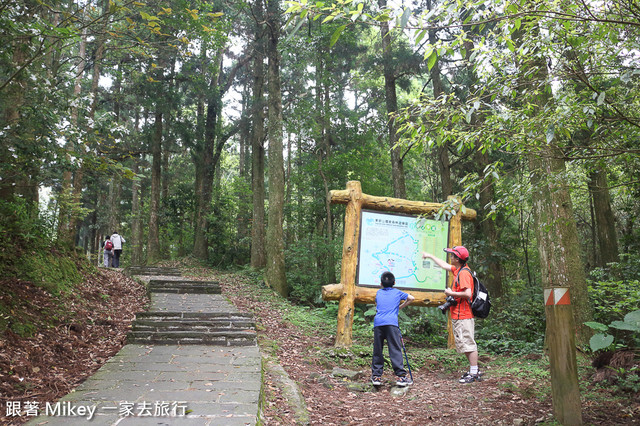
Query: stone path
(198, 365)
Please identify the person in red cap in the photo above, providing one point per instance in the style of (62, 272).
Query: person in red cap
(461, 315)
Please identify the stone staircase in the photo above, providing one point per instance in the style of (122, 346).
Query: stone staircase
(206, 318)
(198, 328)
(152, 271)
(184, 287)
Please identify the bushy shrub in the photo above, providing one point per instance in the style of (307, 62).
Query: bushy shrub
(22, 231)
(306, 272)
(615, 290)
(428, 326)
(517, 329)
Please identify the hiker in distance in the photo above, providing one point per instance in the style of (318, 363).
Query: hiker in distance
(461, 316)
(107, 245)
(389, 301)
(117, 241)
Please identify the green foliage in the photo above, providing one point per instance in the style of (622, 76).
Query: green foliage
(631, 323)
(21, 227)
(46, 275)
(306, 270)
(30, 252)
(628, 380)
(23, 233)
(615, 290)
(516, 329)
(429, 326)
(51, 270)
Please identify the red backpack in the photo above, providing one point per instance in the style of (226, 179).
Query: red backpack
(108, 245)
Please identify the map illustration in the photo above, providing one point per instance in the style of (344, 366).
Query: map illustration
(394, 242)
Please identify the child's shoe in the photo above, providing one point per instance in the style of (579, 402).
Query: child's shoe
(470, 378)
(404, 381)
(376, 381)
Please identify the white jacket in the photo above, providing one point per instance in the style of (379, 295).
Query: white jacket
(117, 241)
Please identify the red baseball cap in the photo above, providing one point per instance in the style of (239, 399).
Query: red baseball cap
(459, 251)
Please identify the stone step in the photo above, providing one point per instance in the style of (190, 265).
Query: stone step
(217, 338)
(195, 325)
(202, 316)
(153, 270)
(183, 287)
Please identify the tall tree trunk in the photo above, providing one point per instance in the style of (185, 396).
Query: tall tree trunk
(198, 156)
(78, 178)
(442, 151)
(493, 277)
(258, 252)
(558, 246)
(136, 219)
(397, 166)
(275, 272)
(204, 193)
(64, 215)
(242, 218)
(153, 244)
(605, 239)
(556, 228)
(11, 117)
(328, 258)
(113, 203)
(288, 194)
(325, 260)
(606, 235)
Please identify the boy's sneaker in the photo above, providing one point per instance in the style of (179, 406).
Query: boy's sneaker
(470, 378)
(404, 381)
(376, 381)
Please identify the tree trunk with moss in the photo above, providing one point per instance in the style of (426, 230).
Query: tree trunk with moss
(275, 271)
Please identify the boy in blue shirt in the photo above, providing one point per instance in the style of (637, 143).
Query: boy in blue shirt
(389, 301)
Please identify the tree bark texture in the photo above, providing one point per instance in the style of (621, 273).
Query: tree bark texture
(606, 235)
(258, 252)
(488, 228)
(559, 250)
(397, 166)
(206, 164)
(136, 219)
(64, 214)
(442, 150)
(275, 271)
(78, 178)
(153, 245)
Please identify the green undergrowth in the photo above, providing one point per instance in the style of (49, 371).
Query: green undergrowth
(35, 291)
(56, 272)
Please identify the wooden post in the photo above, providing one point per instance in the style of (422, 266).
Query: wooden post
(562, 356)
(349, 264)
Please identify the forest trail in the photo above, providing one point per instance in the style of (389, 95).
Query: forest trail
(192, 358)
(291, 377)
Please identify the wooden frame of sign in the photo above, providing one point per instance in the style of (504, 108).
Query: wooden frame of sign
(347, 292)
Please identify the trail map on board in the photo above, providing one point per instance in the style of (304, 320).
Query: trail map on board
(393, 242)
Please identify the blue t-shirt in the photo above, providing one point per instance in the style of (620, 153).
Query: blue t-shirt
(388, 305)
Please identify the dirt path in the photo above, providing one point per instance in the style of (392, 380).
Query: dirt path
(435, 397)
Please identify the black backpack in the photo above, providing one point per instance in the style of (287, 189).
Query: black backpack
(480, 301)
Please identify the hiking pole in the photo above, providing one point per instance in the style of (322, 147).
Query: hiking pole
(405, 354)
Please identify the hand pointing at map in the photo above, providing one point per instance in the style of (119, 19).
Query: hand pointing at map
(441, 263)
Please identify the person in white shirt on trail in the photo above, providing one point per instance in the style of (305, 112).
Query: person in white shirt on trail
(117, 241)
